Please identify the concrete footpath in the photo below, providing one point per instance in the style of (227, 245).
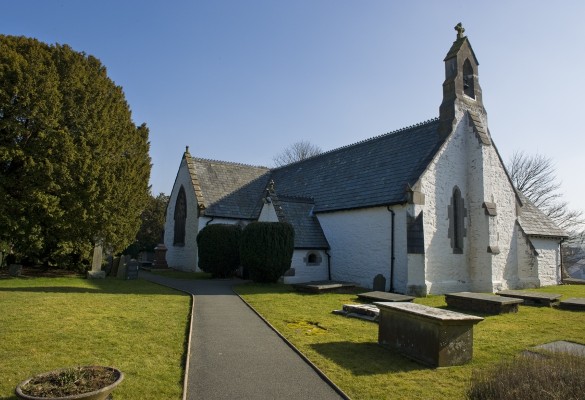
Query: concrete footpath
(234, 354)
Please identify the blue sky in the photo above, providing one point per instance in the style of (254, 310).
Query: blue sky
(239, 80)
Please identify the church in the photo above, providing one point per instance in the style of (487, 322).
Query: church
(430, 207)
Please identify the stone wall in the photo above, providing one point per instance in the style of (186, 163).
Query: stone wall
(182, 257)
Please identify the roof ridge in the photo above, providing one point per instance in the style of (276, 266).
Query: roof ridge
(230, 163)
(297, 199)
(367, 140)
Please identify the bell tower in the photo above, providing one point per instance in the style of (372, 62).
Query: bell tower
(461, 86)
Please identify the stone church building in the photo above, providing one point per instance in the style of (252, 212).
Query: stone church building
(430, 207)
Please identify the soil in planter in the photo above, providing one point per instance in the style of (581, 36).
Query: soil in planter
(70, 381)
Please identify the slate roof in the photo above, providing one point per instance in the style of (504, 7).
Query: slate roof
(370, 173)
(535, 223)
(299, 213)
(230, 190)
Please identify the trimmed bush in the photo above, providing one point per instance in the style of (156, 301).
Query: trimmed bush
(219, 249)
(267, 249)
(531, 377)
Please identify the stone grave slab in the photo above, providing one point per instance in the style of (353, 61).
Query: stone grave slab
(533, 298)
(573, 303)
(431, 336)
(384, 296)
(562, 346)
(362, 311)
(484, 303)
(323, 286)
(574, 281)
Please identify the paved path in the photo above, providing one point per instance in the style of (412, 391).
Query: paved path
(235, 355)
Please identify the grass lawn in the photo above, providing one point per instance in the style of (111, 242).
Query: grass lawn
(346, 349)
(173, 273)
(134, 325)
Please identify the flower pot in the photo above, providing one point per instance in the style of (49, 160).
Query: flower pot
(23, 390)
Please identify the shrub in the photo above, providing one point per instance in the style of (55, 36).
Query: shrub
(531, 377)
(267, 249)
(219, 249)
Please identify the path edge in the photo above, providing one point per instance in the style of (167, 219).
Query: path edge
(299, 353)
(188, 355)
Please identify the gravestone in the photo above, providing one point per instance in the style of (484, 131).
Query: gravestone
(379, 283)
(96, 265)
(122, 267)
(160, 256)
(15, 269)
(115, 265)
(132, 269)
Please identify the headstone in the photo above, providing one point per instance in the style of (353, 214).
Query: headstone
(132, 269)
(96, 265)
(379, 283)
(15, 269)
(122, 267)
(160, 256)
(115, 265)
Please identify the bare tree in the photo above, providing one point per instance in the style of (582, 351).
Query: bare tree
(535, 177)
(296, 152)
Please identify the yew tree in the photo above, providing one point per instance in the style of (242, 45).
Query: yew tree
(74, 168)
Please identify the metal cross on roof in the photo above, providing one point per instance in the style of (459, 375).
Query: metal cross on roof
(460, 29)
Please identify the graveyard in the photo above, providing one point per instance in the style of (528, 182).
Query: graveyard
(347, 349)
(49, 322)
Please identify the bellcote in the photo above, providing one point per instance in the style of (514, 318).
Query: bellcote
(461, 81)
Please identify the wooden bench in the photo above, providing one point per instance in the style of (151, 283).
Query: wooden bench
(431, 336)
(383, 296)
(533, 298)
(574, 304)
(484, 303)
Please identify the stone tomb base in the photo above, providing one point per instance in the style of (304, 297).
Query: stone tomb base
(431, 336)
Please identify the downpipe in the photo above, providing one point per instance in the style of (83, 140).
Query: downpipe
(391, 250)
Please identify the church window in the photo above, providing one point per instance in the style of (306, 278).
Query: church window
(180, 218)
(457, 214)
(313, 258)
(468, 80)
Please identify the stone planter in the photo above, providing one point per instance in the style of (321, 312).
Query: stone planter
(99, 394)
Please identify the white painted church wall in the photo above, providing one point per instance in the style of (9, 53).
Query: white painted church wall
(478, 172)
(182, 257)
(527, 265)
(444, 270)
(548, 260)
(360, 242)
(307, 273)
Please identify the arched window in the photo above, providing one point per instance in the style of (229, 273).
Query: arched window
(180, 218)
(312, 258)
(457, 214)
(468, 80)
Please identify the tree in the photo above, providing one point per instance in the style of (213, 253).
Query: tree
(535, 177)
(296, 152)
(152, 225)
(74, 168)
(266, 250)
(218, 247)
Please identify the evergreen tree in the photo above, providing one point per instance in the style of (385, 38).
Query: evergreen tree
(74, 168)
